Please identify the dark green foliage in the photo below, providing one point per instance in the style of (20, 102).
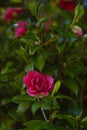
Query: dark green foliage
(58, 52)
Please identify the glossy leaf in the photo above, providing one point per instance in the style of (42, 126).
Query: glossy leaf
(72, 85)
(36, 124)
(21, 99)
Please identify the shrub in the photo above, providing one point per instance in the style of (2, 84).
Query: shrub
(43, 65)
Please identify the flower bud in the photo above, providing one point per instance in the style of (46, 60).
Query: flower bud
(77, 30)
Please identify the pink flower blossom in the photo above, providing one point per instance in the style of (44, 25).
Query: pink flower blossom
(21, 29)
(47, 25)
(10, 13)
(67, 5)
(77, 30)
(38, 83)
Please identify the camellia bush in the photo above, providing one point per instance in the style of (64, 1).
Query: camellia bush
(43, 65)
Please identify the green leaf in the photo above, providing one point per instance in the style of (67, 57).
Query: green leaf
(33, 6)
(70, 73)
(14, 115)
(71, 119)
(22, 98)
(84, 122)
(21, 53)
(7, 123)
(60, 128)
(3, 77)
(65, 97)
(16, 0)
(54, 114)
(46, 104)
(72, 85)
(5, 101)
(55, 104)
(79, 11)
(5, 127)
(40, 61)
(36, 124)
(84, 119)
(56, 88)
(35, 107)
(29, 67)
(75, 110)
(33, 49)
(22, 107)
(6, 67)
(52, 127)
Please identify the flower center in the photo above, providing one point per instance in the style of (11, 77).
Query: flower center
(39, 83)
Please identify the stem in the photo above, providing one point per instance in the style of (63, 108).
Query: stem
(44, 114)
(42, 110)
(74, 20)
(78, 127)
(50, 109)
(81, 97)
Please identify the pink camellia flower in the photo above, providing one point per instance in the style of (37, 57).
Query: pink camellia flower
(10, 13)
(38, 83)
(21, 29)
(67, 5)
(18, 10)
(77, 30)
(47, 25)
